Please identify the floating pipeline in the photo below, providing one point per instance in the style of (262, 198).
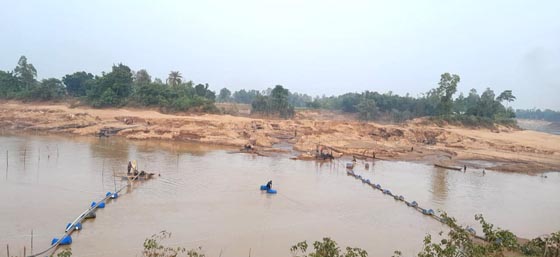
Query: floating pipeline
(112, 195)
(77, 226)
(413, 204)
(66, 238)
(101, 205)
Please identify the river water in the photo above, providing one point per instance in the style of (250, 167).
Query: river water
(207, 196)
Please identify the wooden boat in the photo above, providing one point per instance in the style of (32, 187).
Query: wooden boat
(448, 167)
(145, 176)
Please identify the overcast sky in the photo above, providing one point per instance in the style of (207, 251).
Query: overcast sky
(314, 47)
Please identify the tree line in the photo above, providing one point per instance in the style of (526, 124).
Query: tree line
(538, 114)
(440, 103)
(123, 87)
(119, 87)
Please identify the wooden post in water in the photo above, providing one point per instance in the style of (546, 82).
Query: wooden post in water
(32, 241)
(24, 251)
(115, 180)
(8, 249)
(24, 156)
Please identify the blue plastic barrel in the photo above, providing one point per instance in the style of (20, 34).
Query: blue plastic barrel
(264, 187)
(66, 240)
(77, 226)
(100, 206)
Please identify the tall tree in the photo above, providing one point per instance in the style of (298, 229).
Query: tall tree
(174, 79)
(447, 87)
(76, 83)
(506, 96)
(26, 72)
(113, 88)
(142, 77)
(225, 95)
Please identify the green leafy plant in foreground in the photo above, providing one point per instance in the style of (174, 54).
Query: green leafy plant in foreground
(154, 248)
(325, 248)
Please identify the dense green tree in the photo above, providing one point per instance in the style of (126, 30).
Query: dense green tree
(10, 85)
(367, 109)
(225, 95)
(142, 77)
(447, 87)
(113, 88)
(274, 104)
(26, 73)
(47, 90)
(244, 96)
(459, 105)
(76, 83)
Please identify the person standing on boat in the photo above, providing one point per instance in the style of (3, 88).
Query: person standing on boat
(129, 167)
(269, 184)
(134, 168)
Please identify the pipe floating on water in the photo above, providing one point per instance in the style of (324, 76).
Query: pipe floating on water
(412, 204)
(66, 240)
(90, 215)
(101, 205)
(112, 195)
(77, 226)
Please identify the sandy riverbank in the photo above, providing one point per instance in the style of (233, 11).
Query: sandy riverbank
(507, 149)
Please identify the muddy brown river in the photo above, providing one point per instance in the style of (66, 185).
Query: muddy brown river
(207, 196)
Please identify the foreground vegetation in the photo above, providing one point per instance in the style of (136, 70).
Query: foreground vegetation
(459, 242)
(123, 87)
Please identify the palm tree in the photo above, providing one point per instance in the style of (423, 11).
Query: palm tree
(174, 78)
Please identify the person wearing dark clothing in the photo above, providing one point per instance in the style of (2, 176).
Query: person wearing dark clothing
(129, 167)
(269, 184)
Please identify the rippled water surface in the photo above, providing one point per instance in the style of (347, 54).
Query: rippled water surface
(209, 197)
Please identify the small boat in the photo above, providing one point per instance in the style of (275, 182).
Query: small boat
(448, 167)
(144, 176)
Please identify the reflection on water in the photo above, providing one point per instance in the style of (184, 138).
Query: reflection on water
(439, 185)
(208, 197)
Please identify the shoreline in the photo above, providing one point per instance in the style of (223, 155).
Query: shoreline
(504, 149)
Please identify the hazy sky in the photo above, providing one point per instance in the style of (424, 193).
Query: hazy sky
(315, 47)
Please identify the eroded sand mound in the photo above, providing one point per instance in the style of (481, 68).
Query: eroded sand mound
(514, 150)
